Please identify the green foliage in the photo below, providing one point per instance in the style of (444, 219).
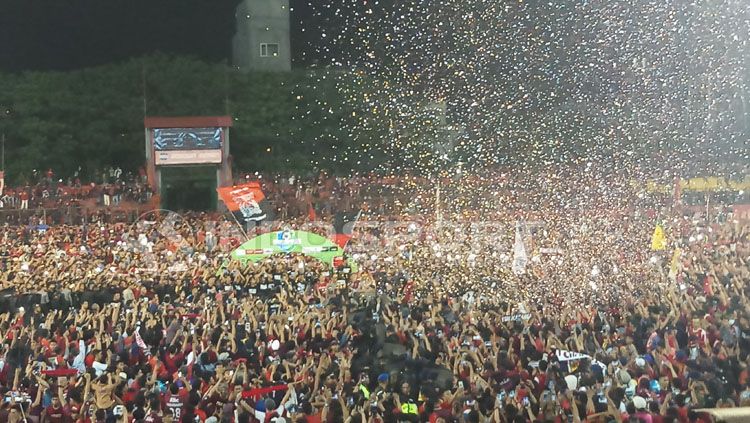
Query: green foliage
(93, 118)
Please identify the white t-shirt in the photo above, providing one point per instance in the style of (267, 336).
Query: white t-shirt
(99, 368)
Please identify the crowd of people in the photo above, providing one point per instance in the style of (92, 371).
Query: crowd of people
(47, 190)
(427, 321)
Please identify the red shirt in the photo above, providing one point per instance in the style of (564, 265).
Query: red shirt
(175, 403)
(153, 418)
(129, 395)
(55, 415)
(171, 361)
(541, 384)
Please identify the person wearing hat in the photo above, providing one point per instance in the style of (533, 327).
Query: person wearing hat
(382, 388)
(120, 413)
(641, 409)
(623, 377)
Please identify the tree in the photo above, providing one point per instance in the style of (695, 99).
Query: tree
(93, 118)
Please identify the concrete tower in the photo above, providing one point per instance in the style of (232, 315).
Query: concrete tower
(262, 39)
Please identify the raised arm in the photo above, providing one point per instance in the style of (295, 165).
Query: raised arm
(79, 359)
(38, 398)
(16, 378)
(574, 407)
(61, 394)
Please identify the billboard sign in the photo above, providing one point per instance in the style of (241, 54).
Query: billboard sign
(178, 157)
(290, 241)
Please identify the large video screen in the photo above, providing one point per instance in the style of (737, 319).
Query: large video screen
(166, 139)
(182, 146)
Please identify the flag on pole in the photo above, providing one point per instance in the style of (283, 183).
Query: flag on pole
(247, 200)
(344, 224)
(2, 181)
(675, 264)
(519, 253)
(139, 341)
(658, 241)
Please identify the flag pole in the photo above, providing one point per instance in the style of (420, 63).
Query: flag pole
(438, 215)
(708, 205)
(244, 232)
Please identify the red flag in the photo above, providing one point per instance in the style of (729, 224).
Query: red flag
(236, 196)
(341, 239)
(344, 224)
(311, 215)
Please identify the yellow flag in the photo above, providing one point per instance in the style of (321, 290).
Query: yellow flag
(674, 265)
(658, 242)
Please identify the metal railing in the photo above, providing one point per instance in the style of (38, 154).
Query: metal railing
(71, 215)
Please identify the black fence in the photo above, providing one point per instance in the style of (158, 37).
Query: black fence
(70, 215)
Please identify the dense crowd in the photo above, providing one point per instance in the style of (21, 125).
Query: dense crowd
(151, 322)
(46, 190)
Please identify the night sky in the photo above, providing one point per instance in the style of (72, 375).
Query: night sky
(73, 34)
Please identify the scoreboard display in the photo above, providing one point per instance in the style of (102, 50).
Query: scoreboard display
(178, 146)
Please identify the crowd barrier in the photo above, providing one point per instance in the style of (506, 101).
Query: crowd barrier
(72, 215)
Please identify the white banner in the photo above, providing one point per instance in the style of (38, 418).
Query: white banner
(564, 355)
(516, 317)
(180, 157)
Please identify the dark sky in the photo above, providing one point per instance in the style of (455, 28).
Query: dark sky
(72, 34)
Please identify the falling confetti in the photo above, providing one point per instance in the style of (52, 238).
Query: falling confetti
(434, 83)
(547, 112)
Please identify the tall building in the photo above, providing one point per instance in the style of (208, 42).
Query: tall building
(262, 39)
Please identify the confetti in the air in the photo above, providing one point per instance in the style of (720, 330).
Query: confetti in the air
(535, 111)
(434, 83)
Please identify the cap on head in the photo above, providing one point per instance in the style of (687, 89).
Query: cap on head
(119, 410)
